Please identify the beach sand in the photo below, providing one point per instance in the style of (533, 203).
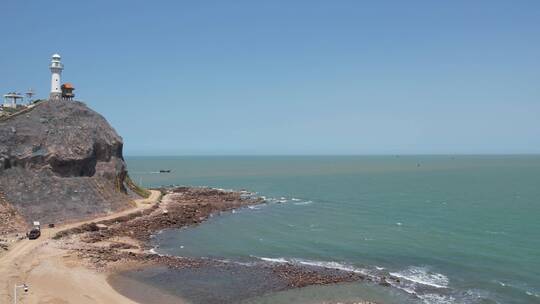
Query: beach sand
(55, 276)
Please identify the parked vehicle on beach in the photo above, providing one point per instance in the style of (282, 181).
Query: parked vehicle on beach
(33, 234)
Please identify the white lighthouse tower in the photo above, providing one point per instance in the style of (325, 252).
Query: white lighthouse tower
(56, 70)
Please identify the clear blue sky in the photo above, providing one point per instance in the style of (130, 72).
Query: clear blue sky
(290, 77)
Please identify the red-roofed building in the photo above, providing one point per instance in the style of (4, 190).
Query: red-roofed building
(67, 91)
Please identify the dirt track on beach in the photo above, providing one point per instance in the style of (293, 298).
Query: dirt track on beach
(54, 275)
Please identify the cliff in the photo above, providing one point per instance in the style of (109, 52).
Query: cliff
(61, 161)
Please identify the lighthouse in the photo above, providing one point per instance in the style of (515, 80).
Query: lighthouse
(56, 70)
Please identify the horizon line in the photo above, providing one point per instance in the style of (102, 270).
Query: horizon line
(300, 155)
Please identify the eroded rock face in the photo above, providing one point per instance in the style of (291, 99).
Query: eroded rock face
(10, 220)
(61, 161)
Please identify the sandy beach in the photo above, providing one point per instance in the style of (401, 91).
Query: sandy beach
(55, 276)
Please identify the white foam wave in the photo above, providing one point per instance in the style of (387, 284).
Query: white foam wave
(423, 276)
(227, 261)
(331, 265)
(303, 203)
(408, 290)
(323, 264)
(154, 251)
(274, 200)
(433, 298)
(223, 190)
(527, 289)
(413, 275)
(249, 264)
(274, 260)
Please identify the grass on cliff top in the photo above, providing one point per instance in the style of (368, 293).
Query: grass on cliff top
(136, 188)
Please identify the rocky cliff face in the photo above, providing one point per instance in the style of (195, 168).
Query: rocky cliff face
(61, 161)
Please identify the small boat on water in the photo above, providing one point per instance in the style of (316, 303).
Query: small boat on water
(164, 171)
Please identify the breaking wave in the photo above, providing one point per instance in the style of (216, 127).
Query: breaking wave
(416, 281)
(274, 260)
(520, 287)
(323, 264)
(283, 200)
(433, 298)
(422, 275)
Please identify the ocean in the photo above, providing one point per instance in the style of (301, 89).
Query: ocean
(455, 229)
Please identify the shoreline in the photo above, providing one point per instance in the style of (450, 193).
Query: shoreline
(190, 206)
(98, 251)
(129, 288)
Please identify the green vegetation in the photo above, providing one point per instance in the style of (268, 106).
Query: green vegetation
(136, 188)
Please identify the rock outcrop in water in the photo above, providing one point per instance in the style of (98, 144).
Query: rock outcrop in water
(60, 162)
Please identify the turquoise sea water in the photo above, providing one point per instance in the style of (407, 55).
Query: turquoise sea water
(456, 229)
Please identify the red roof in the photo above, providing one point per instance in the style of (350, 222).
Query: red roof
(68, 85)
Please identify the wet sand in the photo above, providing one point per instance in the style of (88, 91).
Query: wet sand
(141, 292)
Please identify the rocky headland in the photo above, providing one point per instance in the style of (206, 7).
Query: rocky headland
(59, 162)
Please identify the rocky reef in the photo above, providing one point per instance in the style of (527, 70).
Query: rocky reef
(125, 242)
(60, 162)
